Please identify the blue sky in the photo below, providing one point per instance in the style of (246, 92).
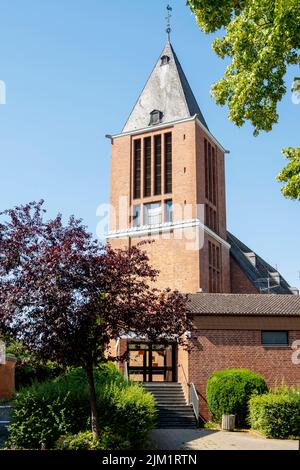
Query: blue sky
(73, 70)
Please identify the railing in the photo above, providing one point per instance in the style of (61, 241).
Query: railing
(193, 396)
(183, 371)
(194, 401)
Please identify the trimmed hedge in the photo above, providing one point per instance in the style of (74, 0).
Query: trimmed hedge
(228, 392)
(276, 414)
(45, 411)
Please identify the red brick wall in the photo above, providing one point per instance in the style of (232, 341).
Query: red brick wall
(7, 379)
(240, 283)
(220, 349)
(180, 267)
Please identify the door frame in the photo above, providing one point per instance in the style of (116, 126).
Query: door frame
(147, 370)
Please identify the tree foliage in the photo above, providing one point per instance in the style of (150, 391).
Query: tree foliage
(65, 296)
(291, 174)
(261, 39)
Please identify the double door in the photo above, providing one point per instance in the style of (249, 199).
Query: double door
(150, 362)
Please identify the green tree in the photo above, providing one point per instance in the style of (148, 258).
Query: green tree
(291, 174)
(261, 38)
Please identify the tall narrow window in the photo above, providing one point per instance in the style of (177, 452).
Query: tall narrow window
(137, 169)
(214, 261)
(206, 167)
(157, 165)
(168, 163)
(209, 174)
(214, 177)
(147, 167)
(168, 211)
(211, 186)
(136, 215)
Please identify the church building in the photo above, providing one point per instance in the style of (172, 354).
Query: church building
(168, 185)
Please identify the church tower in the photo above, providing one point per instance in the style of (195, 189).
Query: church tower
(168, 184)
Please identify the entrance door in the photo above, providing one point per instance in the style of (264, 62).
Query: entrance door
(149, 362)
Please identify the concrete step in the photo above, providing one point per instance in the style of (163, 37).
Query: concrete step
(172, 409)
(175, 426)
(5, 411)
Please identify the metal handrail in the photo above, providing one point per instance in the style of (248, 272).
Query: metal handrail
(183, 370)
(194, 401)
(193, 395)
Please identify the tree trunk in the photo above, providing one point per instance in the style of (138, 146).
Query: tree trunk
(93, 401)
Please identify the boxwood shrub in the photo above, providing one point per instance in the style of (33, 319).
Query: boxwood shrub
(45, 411)
(276, 414)
(228, 392)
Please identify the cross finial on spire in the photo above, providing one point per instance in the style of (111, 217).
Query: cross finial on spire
(168, 18)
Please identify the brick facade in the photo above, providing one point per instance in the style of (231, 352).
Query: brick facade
(240, 283)
(7, 379)
(217, 349)
(181, 266)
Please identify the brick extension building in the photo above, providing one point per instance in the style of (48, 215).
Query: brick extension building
(168, 185)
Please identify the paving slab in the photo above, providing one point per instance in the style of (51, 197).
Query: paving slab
(204, 439)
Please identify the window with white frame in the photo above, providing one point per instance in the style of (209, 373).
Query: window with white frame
(152, 213)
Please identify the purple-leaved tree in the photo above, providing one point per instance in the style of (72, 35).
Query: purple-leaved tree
(65, 296)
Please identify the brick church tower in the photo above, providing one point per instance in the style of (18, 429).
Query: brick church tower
(168, 185)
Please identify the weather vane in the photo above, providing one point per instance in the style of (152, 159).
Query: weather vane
(168, 18)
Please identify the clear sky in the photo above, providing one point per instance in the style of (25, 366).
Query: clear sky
(73, 70)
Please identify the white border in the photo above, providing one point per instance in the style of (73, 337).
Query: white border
(148, 230)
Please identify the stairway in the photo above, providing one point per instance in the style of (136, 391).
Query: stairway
(172, 408)
(4, 421)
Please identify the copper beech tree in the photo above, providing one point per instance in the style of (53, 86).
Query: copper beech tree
(65, 296)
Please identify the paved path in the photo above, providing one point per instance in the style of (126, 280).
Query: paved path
(202, 439)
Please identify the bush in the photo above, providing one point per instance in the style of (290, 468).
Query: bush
(228, 392)
(85, 441)
(45, 411)
(277, 413)
(28, 368)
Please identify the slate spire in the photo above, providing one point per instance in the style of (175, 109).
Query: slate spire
(166, 95)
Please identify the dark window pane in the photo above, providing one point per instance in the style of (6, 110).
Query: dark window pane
(168, 163)
(275, 338)
(137, 169)
(157, 165)
(147, 167)
(206, 168)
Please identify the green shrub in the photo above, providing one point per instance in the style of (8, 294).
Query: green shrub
(85, 441)
(277, 413)
(28, 368)
(228, 392)
(45, 411)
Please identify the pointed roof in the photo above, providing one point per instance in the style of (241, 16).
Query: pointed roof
(167, 91)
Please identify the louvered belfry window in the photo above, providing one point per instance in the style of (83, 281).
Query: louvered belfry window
(147, 167)
(168, 163)
(137, 169)
(214, 262)
(157, 165)
(211, 186)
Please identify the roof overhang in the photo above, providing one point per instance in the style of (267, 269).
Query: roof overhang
(172, 124)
